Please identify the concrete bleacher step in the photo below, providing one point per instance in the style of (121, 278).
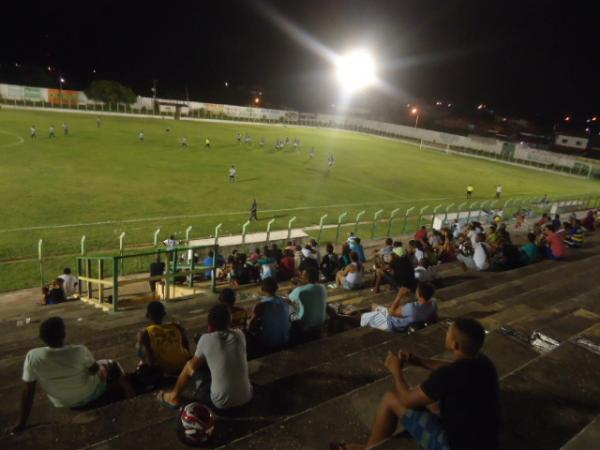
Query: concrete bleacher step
(550, 401)
(349, 417)
(587, 439)
(274, 400)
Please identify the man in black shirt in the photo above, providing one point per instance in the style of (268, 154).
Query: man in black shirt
(156, 268)
(466, 390)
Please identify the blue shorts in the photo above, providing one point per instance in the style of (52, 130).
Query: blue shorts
(426, 428)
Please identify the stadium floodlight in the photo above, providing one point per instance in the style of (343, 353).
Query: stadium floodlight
(355, 70)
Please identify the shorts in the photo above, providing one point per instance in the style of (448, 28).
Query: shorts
(426, 428)
(350, 286)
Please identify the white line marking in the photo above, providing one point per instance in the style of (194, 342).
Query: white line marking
(230, 213)
(12, 144)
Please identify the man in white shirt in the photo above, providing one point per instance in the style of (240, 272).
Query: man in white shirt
(232, 174)
(481, 256)
(222, 351)
(70, 283)
(499, 190)
(69, 374)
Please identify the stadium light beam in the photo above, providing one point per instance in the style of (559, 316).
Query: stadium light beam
(356, 70)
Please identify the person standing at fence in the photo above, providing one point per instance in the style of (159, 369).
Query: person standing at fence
(499, 190)
(469, 191)
(254, 210)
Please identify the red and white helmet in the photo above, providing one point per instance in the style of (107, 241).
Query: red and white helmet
(196, 423)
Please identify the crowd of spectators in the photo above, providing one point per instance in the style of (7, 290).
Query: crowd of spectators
(218, 368)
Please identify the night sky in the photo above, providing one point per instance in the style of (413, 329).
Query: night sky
(531, 58)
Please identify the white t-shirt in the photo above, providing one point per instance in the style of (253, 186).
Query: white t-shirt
(225, 354)
(63, 373)
(499, 189)
(232, 172)
(479, 256)
(69, 284)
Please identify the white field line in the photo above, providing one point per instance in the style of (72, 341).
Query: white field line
(12, 144)
(213, 214)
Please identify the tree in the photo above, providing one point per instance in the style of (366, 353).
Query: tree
(110, 92)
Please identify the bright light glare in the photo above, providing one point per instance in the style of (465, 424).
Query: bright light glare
(355, 70)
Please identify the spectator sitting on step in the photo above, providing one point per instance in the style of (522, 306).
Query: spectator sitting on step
(415, 251)
(255, 255)
(399, 316)
(382, 255)
(276, 252)
(298, 257)
(531, 250)
(507, 256)
(573, 235)
(208, 262)
(54, 294)
(219, 367)
(421, 233)
(70, 283)
(267, 265)
(309, 260)
(589, 222)
(466, 388)
(556, 223)
(399, 249)
(239, 315)
(344, 259)
(351, 277)
(430, 254)
(162, 347)
(357, 247)
(287, 266)
(555, 246)
(310, 301)
(480, 258)
(269, 325)
(424, 272)
(447, 252)
(329, 264)
(316, 249)
(69, 374)
(398, 272)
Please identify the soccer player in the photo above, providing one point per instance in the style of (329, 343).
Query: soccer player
(254, 210)
(51, 133)
(66, 129)
(469, 191)
(331, 161)
(184, 142)
(167, 130)
(248, 140)
(207, 143)
(232, 174)
(33, 132)
(239, 138)
(141, 136)
(287, 140)
(311, 153)
(499, 190)
(98, 122)
(296, 141)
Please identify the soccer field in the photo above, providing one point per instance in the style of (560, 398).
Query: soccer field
(101, 181)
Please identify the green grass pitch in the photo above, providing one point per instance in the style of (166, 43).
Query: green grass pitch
(103, 181)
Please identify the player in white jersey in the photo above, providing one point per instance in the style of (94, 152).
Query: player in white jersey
(232, 174)
(33, 132)
(141, 135)
(239, 138)
(98, 122)
(311, 153)
(207, 143)
(51, 133)
(66, 129)
(184, 142)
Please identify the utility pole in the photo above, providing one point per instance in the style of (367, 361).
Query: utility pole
(154, 92)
